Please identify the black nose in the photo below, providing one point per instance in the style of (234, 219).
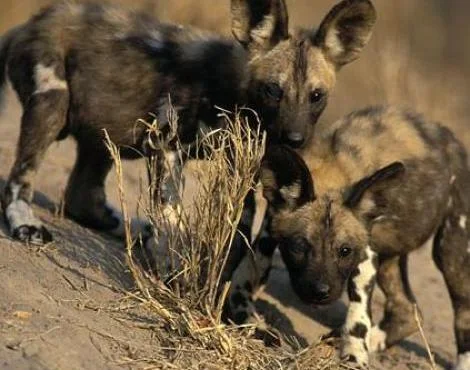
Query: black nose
(294, 139)
(322, 291)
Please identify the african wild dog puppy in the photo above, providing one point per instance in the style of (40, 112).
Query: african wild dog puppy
(81, 68)
(303, 69)
(368, 190)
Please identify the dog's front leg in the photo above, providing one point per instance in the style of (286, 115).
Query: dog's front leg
(357, 328)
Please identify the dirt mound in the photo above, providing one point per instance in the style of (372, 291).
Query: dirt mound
(66, 306)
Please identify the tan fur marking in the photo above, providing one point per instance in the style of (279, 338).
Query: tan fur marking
(290, 192)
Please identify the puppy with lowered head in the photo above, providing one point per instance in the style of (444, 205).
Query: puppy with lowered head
(368, 190)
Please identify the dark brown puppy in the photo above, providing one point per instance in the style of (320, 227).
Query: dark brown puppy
(368, 190)
(81, 68)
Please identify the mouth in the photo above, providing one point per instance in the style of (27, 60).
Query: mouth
(294, 144)
(294, 140)
(317, 302)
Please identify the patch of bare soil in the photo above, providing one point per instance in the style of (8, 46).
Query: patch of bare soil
(66, 307)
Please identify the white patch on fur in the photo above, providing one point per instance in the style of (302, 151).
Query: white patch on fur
(463, 362)
(355, 347)
(463, 222)
(357, 312)
(15, 191)
(46, 79)
(19, 213)
(169, 224)
(452, 179)
(377, 339)
(379, 218)
(261, 206)
(333, 43)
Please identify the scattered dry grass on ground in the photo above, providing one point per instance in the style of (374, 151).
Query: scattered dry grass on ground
(188, 309)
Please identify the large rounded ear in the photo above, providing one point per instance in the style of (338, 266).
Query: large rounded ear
(260, 24)
(346, 30)
(354, 195)
(287, 182)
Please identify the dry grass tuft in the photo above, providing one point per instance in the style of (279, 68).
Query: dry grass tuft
(188, 307)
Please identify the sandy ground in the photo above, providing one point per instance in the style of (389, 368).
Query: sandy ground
(61, 308)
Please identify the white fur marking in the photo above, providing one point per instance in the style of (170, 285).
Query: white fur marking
(463, 222)
(356, 348)
(19, 213)
(47, 80)
(377, 339)
(15, 190)
(452, 179)
(170, 224)
(463, 362)
(357, 312)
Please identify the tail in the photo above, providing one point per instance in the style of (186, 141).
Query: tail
(5, 42)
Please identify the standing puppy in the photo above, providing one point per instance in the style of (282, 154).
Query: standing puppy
(368, 190)
(81, 68)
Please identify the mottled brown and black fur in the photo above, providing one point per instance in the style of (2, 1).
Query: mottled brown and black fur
(81, 68)
(368, 190)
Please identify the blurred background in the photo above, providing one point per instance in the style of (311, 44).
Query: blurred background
(419, 55)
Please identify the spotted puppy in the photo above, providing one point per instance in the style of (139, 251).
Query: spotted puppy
(368, 190)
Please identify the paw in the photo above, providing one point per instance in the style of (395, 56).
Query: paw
(378, 339)
(270, 336)
(352, 362)
(32, 234)
(354, 353)
(157, 257)
(138, 227)
(463, 362)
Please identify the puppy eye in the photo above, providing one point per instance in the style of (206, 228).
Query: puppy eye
(345, 251)
(316, 95)
(273, 91)
(300, 245)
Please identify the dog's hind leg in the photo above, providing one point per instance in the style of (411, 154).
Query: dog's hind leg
(398, 321)
(45, 104)
(452, 256)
